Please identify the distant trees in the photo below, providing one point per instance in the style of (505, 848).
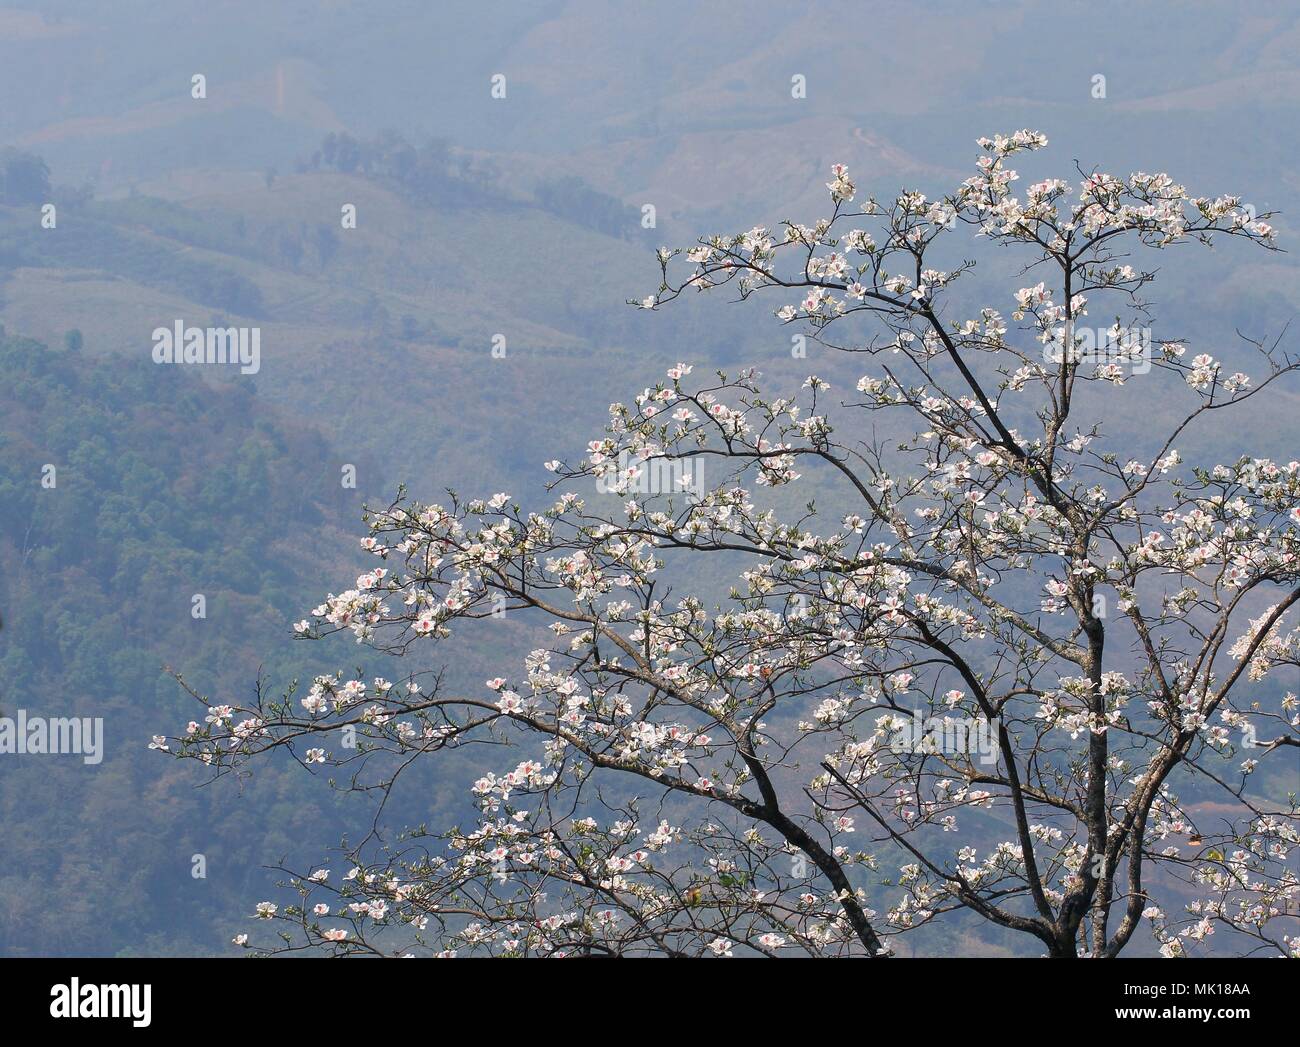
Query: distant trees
(96, 577)
(24, 178)
(428, 174)
(571, 198)
(433, 174)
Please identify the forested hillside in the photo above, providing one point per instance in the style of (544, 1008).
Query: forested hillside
(164, 488)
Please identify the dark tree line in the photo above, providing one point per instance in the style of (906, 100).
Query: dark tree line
(428, 174)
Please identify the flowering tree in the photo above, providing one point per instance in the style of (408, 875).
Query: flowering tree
(976, 693)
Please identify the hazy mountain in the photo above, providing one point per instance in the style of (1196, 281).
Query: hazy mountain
(481, 221)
